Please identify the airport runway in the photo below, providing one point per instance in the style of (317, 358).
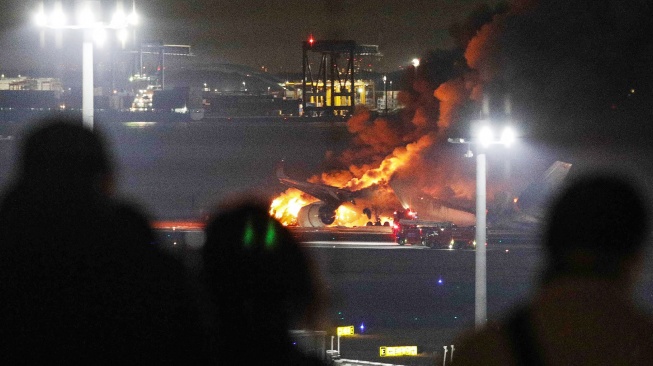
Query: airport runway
(409, 295)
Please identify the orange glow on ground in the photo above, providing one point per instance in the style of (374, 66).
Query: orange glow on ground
(178, 225)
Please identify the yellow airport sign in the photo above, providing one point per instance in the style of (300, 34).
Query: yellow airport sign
(346, 331)
(398, 351)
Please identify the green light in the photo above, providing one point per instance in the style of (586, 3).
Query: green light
(270, 236)
(248, 235)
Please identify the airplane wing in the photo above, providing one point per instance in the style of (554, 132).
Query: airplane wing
(330, 195)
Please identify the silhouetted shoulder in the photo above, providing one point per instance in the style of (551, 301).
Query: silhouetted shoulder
(489, 347)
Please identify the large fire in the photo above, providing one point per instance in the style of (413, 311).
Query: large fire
(405, 149)
(286, 206)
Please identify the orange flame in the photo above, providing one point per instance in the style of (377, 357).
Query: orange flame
(286, 206)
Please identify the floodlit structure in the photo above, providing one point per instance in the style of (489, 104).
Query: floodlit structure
(89, 17)
(332, 90)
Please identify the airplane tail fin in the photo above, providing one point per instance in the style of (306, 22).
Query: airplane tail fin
(534, 198)
(281, 174)
(555, 175)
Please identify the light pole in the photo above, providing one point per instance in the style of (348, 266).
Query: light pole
(482, 139)
(90, 22)
(385, 93)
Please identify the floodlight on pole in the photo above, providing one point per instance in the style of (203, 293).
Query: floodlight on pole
(385, 93)
(89, 21)
(482, 139)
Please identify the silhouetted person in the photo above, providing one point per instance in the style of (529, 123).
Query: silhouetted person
(261, 284)
(81, 281)
(584, 313)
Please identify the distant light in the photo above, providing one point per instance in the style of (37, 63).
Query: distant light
(133, 18)
(362, 327)
(507, 136)
(485, 136)
(123, 36)
(40, 18)
(58, 18)
(415, 62)
(85, 17)
(119, 19)
(100, 36)
(440, 281)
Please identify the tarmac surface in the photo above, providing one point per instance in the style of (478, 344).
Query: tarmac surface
(411, 296)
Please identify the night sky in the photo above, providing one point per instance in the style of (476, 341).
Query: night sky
(260, 33)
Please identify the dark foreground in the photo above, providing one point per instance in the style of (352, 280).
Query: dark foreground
(416, 297)
(413, 296)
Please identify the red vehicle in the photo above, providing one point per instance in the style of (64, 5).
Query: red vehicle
(408, 229)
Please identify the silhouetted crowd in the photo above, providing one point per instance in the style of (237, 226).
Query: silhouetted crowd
(83, 281)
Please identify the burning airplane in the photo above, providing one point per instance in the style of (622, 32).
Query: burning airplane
(330, 204)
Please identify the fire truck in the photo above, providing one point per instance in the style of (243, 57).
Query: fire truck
(409, 229)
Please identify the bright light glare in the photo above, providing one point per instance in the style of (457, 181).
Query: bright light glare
(99, 36)
(123, 35)
(40, 18)
(507, 136)
(58, 18)
(415, 62)
(485, 136)
(119, 19)
(132, 18)
(85, 17)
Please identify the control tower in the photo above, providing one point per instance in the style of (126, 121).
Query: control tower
(331, 90)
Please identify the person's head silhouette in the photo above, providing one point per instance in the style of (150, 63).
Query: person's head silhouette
(81, 278)
(253, 265)
(596, 226)
(60, 153)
